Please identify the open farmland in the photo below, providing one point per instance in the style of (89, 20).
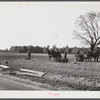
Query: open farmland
(77, 75)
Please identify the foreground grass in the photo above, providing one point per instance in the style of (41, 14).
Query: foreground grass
(79, 75)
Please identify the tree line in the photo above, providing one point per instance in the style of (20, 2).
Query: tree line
(25, 49)
(38, 49)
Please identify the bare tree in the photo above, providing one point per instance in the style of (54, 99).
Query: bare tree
(88, 29)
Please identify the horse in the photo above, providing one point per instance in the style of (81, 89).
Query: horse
(96, 56)
(55, 54)
(79, 56)
(88, 56)
(49, 53)
(91, 55)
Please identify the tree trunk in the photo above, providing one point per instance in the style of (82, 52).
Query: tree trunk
(92, 48)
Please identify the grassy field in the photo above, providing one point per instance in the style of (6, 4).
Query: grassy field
(79, 75)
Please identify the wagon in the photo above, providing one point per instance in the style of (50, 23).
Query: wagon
(63, 60)
(79, 57)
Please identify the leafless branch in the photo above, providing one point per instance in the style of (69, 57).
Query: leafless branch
(89, 28)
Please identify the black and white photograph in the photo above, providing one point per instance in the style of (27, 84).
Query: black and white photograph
(50, 46)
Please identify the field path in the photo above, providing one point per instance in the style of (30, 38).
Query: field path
(8, 85)
(8, 82)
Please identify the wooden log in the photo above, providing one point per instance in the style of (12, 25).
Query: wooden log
(3, 66)
(26, 73)
(33, 73)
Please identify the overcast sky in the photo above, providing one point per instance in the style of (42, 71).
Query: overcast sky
(40, 23)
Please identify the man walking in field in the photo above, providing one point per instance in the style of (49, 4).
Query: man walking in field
(65, 54)
(29, 55)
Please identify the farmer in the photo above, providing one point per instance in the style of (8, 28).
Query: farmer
(65, 53)
(58, 53)
(29, 55)
(54, 48)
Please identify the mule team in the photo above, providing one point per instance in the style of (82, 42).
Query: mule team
(87, 56)
(79, 55)
(56, 54)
